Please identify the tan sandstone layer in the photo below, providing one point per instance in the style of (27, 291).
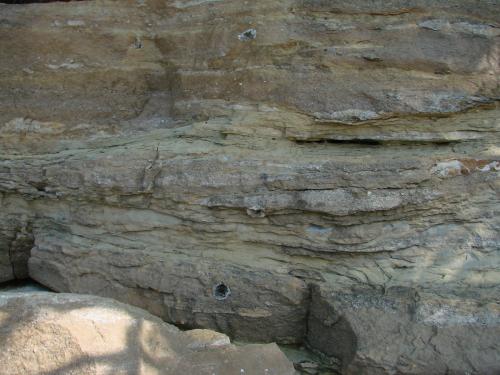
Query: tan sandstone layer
(294, 171)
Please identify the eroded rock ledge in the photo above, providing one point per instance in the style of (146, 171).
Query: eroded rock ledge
(290, 171)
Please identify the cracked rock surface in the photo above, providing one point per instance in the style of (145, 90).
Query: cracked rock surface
(297, 171)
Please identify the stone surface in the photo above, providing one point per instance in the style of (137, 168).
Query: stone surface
(422, 333)
(154, 150)
(47, 333)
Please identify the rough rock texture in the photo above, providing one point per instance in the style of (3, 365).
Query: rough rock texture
(264, 168)
(405, 332)
(46, 333)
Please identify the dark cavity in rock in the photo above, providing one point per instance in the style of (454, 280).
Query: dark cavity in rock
(221, 291)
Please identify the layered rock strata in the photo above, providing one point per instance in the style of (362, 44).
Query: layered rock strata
(293, 171)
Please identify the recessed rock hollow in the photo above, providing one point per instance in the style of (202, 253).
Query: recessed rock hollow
(36, 1)
(323, 173)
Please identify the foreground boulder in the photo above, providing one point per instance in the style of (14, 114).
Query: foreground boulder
(45, 333)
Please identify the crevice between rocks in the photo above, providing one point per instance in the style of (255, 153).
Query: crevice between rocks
(37, 1)
(374, 142)
(20, 250)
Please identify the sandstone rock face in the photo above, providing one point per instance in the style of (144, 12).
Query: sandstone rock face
(405, 332)
(47, 333)
(266, 169)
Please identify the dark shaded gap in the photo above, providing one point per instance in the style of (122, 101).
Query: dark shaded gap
(368, 142)
(36, 1)
(373, 142)
(24, 285)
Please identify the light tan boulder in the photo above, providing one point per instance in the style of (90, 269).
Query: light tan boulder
(46, 333)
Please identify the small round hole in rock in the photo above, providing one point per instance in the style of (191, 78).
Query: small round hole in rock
(221, 291)
(256, 212)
